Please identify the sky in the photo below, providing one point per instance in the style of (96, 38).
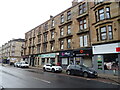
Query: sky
(20, 16)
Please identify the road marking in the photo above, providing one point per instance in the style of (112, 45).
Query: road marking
(42, 80)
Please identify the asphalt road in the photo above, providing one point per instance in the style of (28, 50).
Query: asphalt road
(12, 77)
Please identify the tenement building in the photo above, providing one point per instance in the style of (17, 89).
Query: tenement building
(105, 36)
(12, 51)
(75, 35)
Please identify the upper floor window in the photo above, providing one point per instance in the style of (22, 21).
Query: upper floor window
(39, 38)
(98, 1)
(68, 43)
(52, 46)
(52, 34)
(84, 41)
(69, 15)
(103, 13)
(45, 37)
(44, 47)
(62, 31)
(61, 44)
(104, 33)
(38, 49)
(82, 8)
(46, 26)
(62, 18)
(53, 23)
(69, 29)
(83, 24)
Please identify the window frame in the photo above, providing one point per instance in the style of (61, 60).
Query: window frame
(102, 33)
(62, 44)
(69, 43)
(69, 15)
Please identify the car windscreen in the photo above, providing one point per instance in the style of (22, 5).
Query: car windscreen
(26, 63)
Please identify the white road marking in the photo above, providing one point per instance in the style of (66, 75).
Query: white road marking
(42, 80)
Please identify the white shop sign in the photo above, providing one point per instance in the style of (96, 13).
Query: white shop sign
(105, 48)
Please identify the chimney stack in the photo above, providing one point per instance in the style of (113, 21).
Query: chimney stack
(51, 16)
(74, 2)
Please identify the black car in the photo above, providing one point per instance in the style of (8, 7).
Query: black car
(81, 70)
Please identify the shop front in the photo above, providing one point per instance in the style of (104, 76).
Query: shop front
(106, 58)
(48, 58)
(66, 58)
(83, 56)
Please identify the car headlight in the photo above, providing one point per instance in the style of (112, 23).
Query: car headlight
(90, 72)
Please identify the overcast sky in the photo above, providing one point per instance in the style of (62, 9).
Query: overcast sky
(19, 16)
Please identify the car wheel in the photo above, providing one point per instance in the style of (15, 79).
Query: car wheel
(68, 72)
(44, 69)
(85, 74)
(53, 70)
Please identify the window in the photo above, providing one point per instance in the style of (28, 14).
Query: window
(83, 24)
(44, 47)
(62, 18)
(84, 41)
(52, 34)
(52, 46)
(69, 29)
(98, 1)
(68, 43)
(38, 49)
(61, 31)
(45, 37)
(61, 44)
(69, 15)
(46, 26)
(103, 13)
(107, 12)
(39, 38)
(53, 23)
(97, 33)
(82, 8)
(110, 35)
(103, 33)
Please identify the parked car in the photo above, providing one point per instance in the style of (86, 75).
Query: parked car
(24, 64)
(16, 64)
(81, 70)
(52, 68)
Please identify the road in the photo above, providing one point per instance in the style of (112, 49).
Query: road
(12, 77)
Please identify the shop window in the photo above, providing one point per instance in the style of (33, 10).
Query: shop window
(64, 61)
(43, 61)
(111, 62)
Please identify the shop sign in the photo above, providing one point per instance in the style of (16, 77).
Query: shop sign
(47, 55)
(66, 54)
(82, 52)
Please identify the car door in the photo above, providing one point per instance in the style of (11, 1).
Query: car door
(78, 70)
(48, 68)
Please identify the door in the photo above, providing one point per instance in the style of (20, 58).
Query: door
(78, 70)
